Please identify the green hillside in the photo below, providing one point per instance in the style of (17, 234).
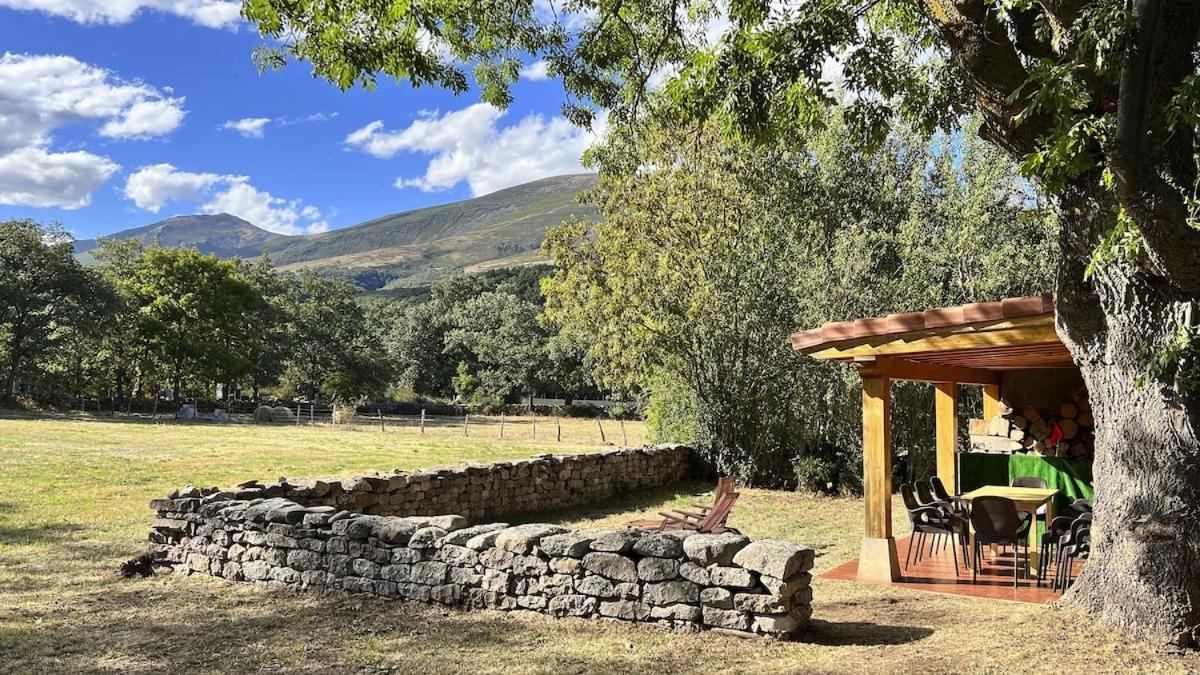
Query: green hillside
(403, 250)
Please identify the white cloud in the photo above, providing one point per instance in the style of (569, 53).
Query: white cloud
(538, 70)
(33, 177)
(146, 119)
(40, 94)
(210, 13)
(152, 187)
(468, 145)
(250, 127)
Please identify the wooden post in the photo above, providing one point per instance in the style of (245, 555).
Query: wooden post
(601, 427)
(558, 423)
(534, 418)
(155, 407)
(298, 416)
(946, 414)
(466, 418)
(878, 560)
(312, 414)
(991, 401)
(380, 411)
(624, 438)
(422, 421)
(501, 426)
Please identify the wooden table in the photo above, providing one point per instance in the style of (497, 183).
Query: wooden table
(1027, 499)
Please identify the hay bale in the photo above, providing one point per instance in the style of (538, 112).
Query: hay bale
(282, 414)
(263, 413)
(343, 416)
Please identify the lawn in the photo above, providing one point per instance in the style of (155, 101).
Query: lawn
(73, 499)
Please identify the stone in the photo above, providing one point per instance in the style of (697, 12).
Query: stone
(764, 603)
(626, 610)
(256, 570)
(460, 537)
(457, 555)
(497, 558)
(659, 545)
(657, 569)
(365, 568)
(628, 591)
(616, 541)
(465, 576)
(285, 575)
(611, 566)
(596, 585)
(529, 565)
(532, 602)
(496, 581)
(406, 555)
(714, 549)
(448, 523)
(785, 589)
(776, 558)
(693, 573)
(721, 598)
(359, 527)
(484, 540)
(522, 538)
(395, 572)
(670, 592)
(565, 565)
(730, 577)
(785, 623)
(572, 544)
(447, 594)
(432, 573)
(426, 537)
(681, 612)
(573, 605)
(725, 618)
(304, 560)
(394, 531)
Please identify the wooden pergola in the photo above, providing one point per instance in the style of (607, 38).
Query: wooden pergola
(968, 344)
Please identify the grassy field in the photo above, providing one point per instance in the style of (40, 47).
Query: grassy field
(73, 499)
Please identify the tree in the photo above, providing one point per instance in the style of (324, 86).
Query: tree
(1099, 99)
(509, 345)
(43, 293)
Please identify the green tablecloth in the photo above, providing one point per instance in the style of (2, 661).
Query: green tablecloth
(1071, 477)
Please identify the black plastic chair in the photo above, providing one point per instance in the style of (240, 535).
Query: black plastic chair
(996, 521)
(958, 505)
(931, 519)
(1031, 482)
(1075, 544)
(1060, 526)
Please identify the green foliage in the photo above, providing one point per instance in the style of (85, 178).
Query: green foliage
(714, 251)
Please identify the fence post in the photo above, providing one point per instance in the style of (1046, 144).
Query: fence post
(535, 427)
(380, 411)
(466, 416)
(311, 414)
(624, 438)
(422, 421)
(558, 424)
(298, 416)
(501, 426)
(601, 427)
(156, 407)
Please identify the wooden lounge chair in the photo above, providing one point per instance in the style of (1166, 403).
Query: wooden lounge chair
(724, 486)
(712, 523)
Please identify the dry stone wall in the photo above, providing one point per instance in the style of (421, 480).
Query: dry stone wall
(676, 579)
(425, 536)
(481, 492)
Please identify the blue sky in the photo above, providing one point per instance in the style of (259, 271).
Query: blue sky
(115, 115)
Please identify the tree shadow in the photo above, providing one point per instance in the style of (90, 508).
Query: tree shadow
(862, 634)
(47, 533)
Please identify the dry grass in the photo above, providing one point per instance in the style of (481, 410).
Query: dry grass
(73, 506)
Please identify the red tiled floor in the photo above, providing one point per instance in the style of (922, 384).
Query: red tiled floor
(936, 574)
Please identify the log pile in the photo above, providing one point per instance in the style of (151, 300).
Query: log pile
(1067, 431)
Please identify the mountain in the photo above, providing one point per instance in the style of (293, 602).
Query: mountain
(222, 234)
(409, 249)
(416, 248)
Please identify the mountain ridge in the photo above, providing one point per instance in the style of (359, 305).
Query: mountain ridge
(403, 249)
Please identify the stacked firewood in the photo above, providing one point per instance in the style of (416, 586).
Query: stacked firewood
(1067, 431)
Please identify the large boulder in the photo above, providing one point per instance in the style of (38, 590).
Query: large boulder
(775, 558)
(522, 538)
(611, 566)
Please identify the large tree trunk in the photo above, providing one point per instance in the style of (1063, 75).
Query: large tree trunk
(1143, 576)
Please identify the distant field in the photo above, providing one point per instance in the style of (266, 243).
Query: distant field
(73, 505)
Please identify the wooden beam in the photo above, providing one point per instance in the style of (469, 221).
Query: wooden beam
(1011, 332)
(991, 401)
(903, 369)
(946, 409)
(879, 561)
